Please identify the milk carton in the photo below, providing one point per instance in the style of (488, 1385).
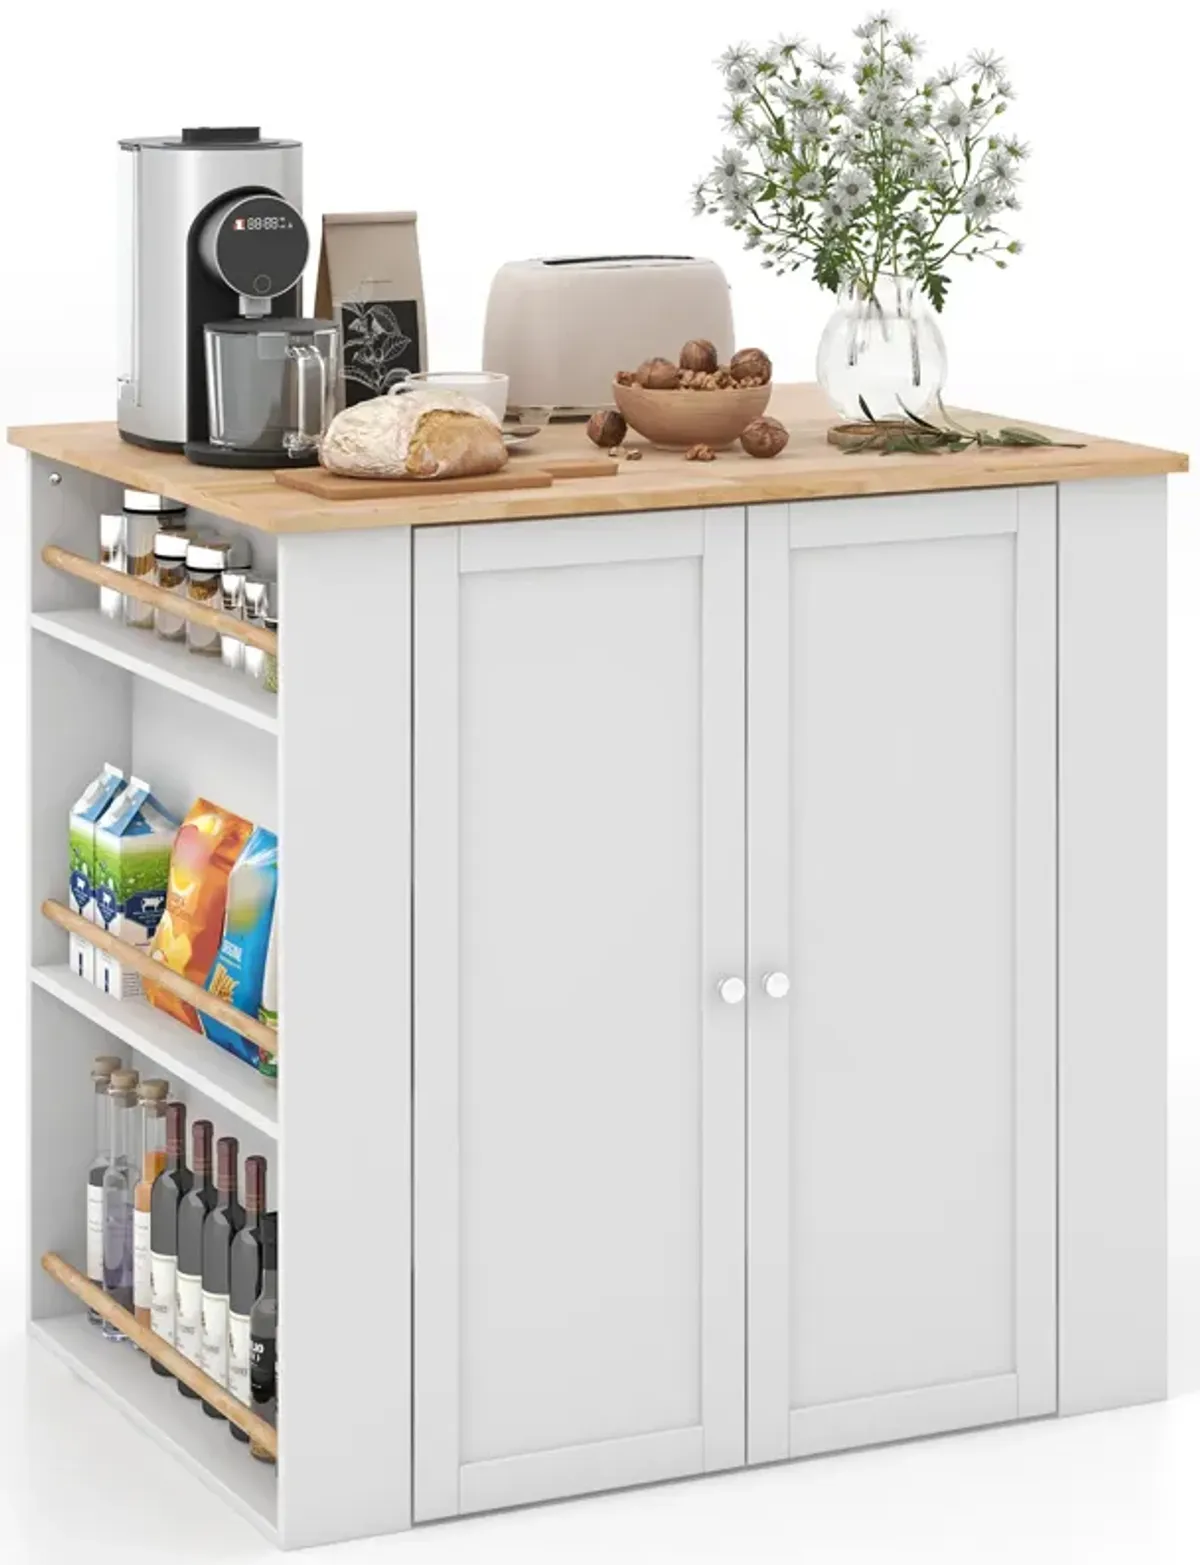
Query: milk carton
(132, 861)
(81, 881)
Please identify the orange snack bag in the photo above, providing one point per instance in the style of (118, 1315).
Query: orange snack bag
(189, 932)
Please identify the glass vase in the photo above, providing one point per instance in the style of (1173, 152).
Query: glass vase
(883, 349)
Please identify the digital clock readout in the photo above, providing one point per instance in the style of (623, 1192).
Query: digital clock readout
(272, 223)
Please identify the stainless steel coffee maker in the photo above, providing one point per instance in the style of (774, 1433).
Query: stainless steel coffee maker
(212, 234)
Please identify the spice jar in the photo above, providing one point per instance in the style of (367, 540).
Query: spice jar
(255, 604)
(170, 564)
(233, 601)
(270, 662)
(146, 515)
(207, 558)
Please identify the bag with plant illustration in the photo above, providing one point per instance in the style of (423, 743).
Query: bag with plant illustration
(369, 282)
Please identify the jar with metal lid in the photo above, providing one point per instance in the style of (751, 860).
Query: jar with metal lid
(146, 515)
(233, 603)
(255, 596)
(170, 562)
(270, 661)
(207, 560)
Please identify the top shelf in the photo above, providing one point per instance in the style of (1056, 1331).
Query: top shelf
(810, 468)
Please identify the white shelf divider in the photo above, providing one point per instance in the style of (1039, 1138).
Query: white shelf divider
(123, 1377)
(166, 663)
(188, 1056)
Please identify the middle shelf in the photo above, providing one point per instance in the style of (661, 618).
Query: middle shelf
(189, 1057)
(165, 663)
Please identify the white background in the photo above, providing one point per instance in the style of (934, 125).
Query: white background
(545, 126)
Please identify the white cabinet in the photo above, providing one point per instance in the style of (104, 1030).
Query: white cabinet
(579, 885)
(901, 873)
(585, 1236)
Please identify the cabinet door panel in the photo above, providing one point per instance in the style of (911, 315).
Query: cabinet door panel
(902, 787)
(579, 1120)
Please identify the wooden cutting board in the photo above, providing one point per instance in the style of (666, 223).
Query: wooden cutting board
(333, 486)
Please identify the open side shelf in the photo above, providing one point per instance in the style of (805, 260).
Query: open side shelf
(187, 1056)
(165, 663)
(204, 1445)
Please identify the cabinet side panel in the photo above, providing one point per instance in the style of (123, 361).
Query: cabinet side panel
(344, 944)
(1112, 944)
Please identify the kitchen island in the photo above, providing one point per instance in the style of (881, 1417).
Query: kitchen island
(722, 956)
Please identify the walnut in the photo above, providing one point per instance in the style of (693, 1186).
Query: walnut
(700, 453)
(625, 378)
(658, 375)
(750, 361)
(606, 428)
(764, 437)
(687, 378)
(633, 454)
(722, 380)
(699, 354)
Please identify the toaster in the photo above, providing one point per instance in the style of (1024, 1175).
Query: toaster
(561, 327)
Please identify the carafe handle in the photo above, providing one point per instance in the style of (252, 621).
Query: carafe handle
(308, 365)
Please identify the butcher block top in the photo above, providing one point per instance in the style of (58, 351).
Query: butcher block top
(809, 469)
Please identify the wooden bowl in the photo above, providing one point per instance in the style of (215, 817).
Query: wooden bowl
(678, 419)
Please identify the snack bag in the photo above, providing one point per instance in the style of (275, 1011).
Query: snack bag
(186, 941)
(268, 1009)
(238, 971)
(81, 845)
(133, 853)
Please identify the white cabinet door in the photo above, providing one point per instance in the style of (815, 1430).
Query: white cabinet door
(579, 870)
(901, 808)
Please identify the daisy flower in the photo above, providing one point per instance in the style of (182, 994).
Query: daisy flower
(988, 63)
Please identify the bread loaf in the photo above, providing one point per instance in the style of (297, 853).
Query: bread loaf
(414, 434)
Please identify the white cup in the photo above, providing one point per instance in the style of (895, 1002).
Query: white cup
(486, 386)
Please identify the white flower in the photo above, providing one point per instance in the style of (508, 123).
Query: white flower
(981, 200)
(955, 118)
(1000, 166)
(918, 220)
(947, 77)
(837, 209)
(855, 187)
(988, 63)
(1004, 88)
(739, 78)
(873, 23)
(824, 60)
(731, 163)
(810, 184)
(1017, 150)
(820, 90)
(909, 44)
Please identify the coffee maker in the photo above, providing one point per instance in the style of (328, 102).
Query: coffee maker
(212, 235)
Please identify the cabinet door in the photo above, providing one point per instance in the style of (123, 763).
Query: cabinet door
(901, 807)
(579, 1119)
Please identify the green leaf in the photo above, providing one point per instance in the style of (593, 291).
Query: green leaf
(869, 416)
(917, 419)
(1025, 437)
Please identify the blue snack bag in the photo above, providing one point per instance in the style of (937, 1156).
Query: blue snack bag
(240, 962)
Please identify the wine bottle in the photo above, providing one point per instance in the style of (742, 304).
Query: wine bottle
(117, 1193)
(102, 1068)
(245, 1282)
(152, 1110)
(169, 1189)
(264, 1328)
(189, 1273)
(222, 1223)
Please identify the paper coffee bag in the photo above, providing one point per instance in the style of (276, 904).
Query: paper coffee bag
(369, 282)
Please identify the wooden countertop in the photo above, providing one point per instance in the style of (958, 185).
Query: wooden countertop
(810, 468)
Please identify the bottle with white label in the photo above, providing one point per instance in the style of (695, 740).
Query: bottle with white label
(221, 1226)
(245, 1282)
(169, 1189)
(264, 1330)
(102, 1068)
(189, 1273)
(152, 1111)
(120, 1178)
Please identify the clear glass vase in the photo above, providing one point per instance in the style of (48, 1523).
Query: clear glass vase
(883, 349)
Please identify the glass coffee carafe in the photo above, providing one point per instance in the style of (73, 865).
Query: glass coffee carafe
(270, 387)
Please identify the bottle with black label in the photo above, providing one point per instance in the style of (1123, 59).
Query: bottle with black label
(189, 1273)
(166, 1193)
(245, 1283)
(223, 1222)
(102, 1068)
(264, 1328)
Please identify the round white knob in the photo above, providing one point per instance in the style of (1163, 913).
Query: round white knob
(777, 985)
(732, 991)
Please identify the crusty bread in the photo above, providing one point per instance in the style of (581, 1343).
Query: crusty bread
(454, 445)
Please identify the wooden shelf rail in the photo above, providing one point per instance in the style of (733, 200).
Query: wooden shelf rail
(146, 592)
(262, 1435)
(250, 1027)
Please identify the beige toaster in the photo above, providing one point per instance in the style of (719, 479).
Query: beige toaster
(561, 327)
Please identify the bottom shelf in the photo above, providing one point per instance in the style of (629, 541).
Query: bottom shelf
(123, 1375)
